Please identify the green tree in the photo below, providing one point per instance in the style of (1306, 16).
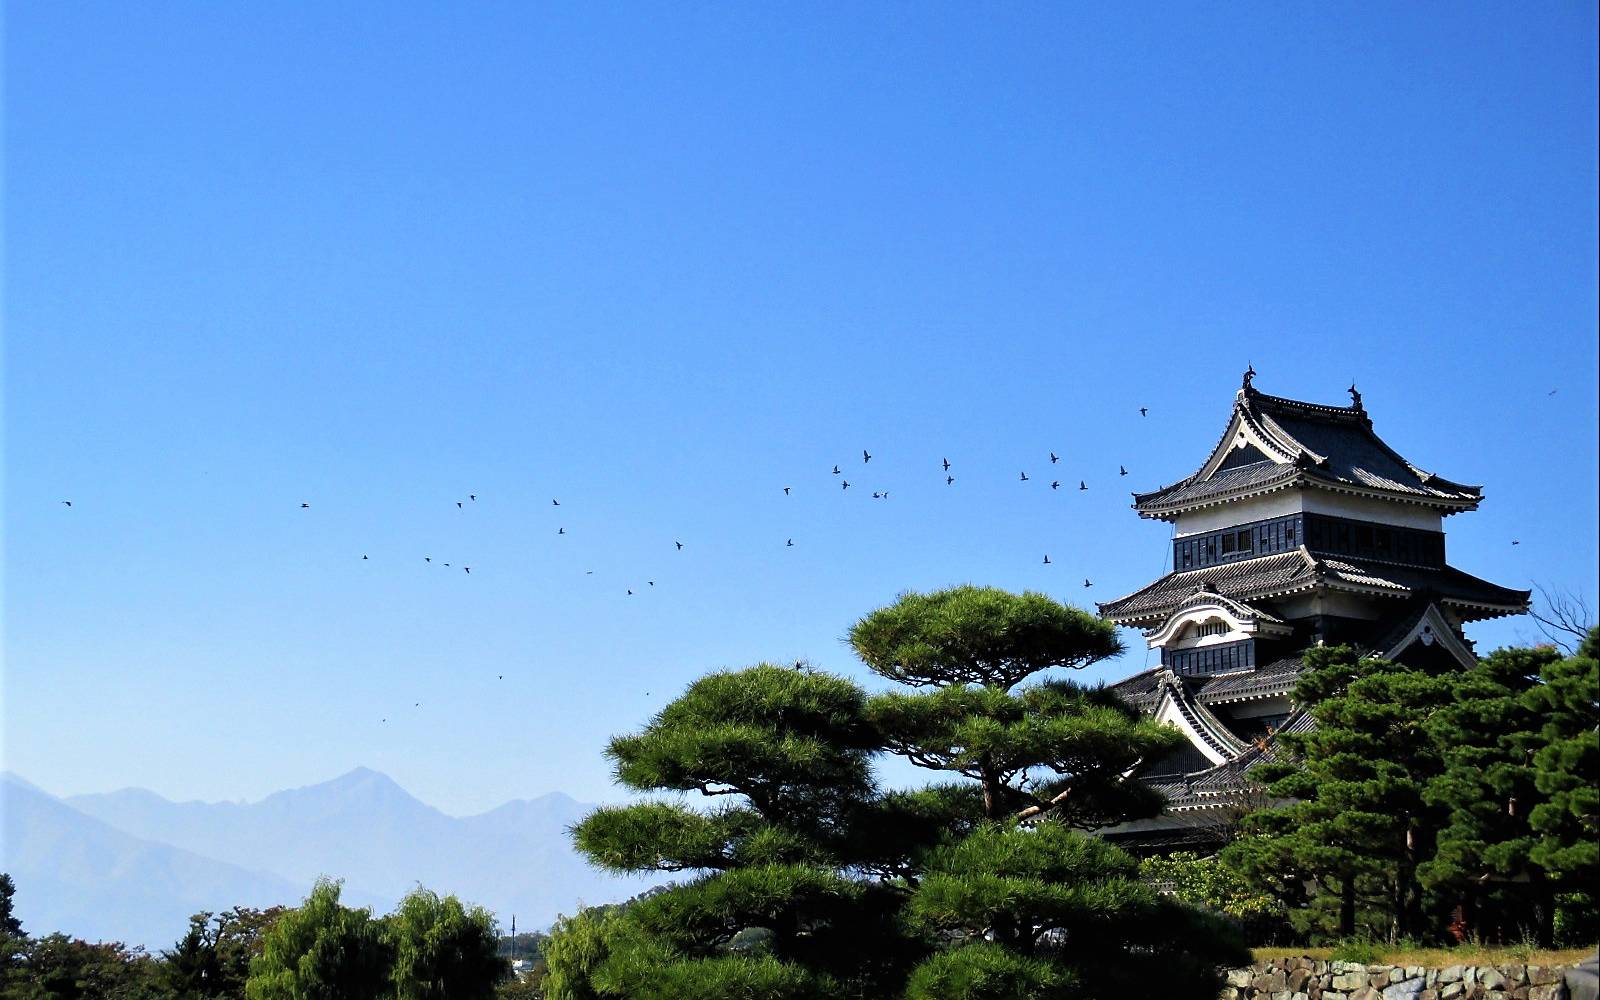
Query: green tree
(787, 751)
(1014, 910)
(192, 968)
(64, 968)
(1208, 883)
(1482, 871)
(1567, 765)
(13, 942)
(213, 957)
(443, 950)
(322, 950)
(810, 882)
(1357, 825)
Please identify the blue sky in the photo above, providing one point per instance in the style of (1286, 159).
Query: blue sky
(658, 263)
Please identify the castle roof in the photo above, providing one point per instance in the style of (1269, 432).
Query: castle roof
(1298, 571)
(1272, 443)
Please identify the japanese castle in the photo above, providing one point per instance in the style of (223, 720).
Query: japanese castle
(1302, 528)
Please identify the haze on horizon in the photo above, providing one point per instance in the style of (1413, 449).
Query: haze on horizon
(659, 264)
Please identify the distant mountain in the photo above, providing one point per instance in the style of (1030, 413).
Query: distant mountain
(363, 827)
(79, 875)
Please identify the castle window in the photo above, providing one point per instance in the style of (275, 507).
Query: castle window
(1211, 628)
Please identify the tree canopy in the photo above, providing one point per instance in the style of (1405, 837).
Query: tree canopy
(808, 880)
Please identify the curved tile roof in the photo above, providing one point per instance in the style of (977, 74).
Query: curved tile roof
(1290, 572)
(1330, 447)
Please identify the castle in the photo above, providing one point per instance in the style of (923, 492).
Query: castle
(1301, 528)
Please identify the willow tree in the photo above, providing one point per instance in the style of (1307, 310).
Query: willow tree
(803, 879)
(323, 950)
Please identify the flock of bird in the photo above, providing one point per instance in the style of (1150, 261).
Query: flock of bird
(945, 466)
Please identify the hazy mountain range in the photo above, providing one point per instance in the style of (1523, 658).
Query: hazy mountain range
(131, 865)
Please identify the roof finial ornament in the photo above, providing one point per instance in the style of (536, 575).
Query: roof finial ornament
(1249, 374)
(1355, 397)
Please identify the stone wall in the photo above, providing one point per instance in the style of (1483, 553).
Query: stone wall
(1316, 979)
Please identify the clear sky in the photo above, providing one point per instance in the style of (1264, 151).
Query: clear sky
(661, 261)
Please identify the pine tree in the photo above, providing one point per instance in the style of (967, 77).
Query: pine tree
(1026, 911)
(1358, 826)
(1482, 870)
(807, 881)
(1567, 768)
(788, 752)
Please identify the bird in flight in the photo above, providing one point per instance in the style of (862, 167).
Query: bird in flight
(949, 479)
(1086, 582)
(1515, 542)
(363, 557)
(1055, 485)
(1047, 559)
(1054, 458)
(1082, 485)
(1552, 392)
(1144, 411)
(446, 565)
(836, 470)
(679, 545)
(786, 491)
(651, 582)
(789, 543)
(67, 502)
(1122, 470)
(458, 504)
(1024, 477)
(844, 484)
(866, 456)
(473, 497)
(630, 593)
(427, 559)
(305, 506)
(947, 465)
(561, 531)
(467, 568)
(502, 676)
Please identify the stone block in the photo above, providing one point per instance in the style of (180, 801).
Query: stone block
(1269, 982)
(1453, 990)
(1492, 979)
(1452, 974)
(1350, 980)
(1406, 989)
(1239, 978)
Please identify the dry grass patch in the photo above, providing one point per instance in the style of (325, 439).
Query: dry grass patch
(1439, 958)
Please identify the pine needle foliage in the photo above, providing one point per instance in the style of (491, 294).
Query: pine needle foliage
(809, 881)
(1358, 824)
(979, 635)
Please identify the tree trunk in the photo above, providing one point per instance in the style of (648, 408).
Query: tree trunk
(1347, 907)
(991, 791)
(1544, 908)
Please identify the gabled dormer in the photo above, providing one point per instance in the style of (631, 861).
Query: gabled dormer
(1321, 457)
